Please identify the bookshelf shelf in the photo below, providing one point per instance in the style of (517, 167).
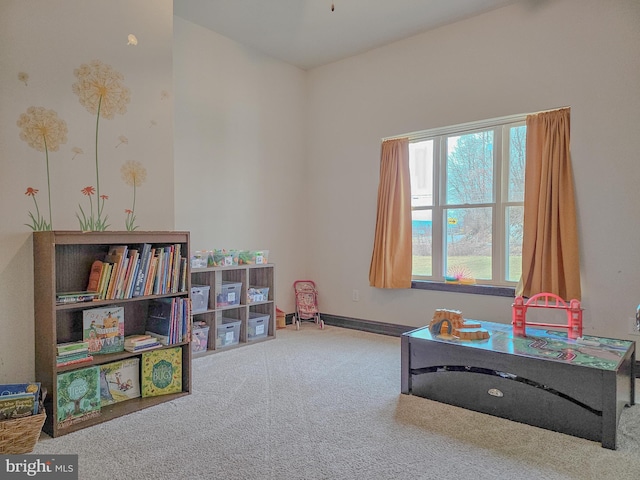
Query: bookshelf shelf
(261, 275)
(62, 262)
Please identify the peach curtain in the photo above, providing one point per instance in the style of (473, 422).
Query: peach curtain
(550, 256)
(391, 259)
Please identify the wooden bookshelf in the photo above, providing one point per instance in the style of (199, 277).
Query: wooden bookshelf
(62, 261)
(261, 275)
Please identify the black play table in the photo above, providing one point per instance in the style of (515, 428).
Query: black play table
(578, 387)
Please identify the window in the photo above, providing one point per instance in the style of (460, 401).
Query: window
(467, 194)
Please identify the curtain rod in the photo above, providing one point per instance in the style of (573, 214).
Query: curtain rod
(470, 126)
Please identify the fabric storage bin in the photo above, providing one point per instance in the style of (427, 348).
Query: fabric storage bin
(257, 326)
(199, 298)
(228, 332)
(229, 294)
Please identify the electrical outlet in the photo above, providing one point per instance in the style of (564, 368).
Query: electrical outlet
(634, 328)
(356, 297)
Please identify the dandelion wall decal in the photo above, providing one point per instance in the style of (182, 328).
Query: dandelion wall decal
(164, 95)
(76, 151)
(101, 92)
(43, 131)
(132, 40)
(134, 175)
(122, 139)
(23, 77)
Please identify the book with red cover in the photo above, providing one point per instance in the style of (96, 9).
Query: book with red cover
(94, 276)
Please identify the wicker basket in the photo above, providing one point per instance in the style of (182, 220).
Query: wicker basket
(20, 435)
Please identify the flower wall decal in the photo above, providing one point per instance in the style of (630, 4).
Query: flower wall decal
(101, 91)
(134, 175)
(45, 132)
(24, 78)
(88, 222)
(76, 151)
(37, 221)
(122, 140)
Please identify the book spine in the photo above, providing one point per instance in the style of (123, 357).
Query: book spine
(151, 277)
(73, 362)
(135, 264)
(142, 271)
(106, 277)
(66, 357)
(121, 276)
(143, 347)
(73, 347)
(157, 289)
(69, 353)
(76, 299)
(94, 276)
(176, 268)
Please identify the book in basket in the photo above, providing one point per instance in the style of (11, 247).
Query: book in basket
(31, 388)
(161, 372)
(119, 381)
(17, 405)
(78, 396)
(103, 328)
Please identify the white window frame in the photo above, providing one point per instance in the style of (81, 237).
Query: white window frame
(500, 127)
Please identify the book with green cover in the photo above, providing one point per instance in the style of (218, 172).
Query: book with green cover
(17, 405)
(78, 396)
(161, 372)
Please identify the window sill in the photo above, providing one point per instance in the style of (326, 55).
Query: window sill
(471, 289)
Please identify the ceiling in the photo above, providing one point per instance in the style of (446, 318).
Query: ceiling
(307, 34)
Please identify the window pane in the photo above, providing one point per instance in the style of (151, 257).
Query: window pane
(422, 242)
(421, 171)
(469, 168)
(514, 219)
(468, 242)
(517, 155)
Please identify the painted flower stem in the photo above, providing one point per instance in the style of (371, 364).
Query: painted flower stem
(97, 169)
(46, 152)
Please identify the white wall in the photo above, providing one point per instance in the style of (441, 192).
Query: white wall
(48, 40)
(240, 170)
(526, 57)
(269, 156)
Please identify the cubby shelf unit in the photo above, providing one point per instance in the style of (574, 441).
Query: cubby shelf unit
(260, 275)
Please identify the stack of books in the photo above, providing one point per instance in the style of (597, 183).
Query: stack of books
(72, 353)
(138, 343)
(63, 298)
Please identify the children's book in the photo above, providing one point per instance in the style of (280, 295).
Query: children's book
(103, 328)
(32, 388)
(119, 381)
(63, 348)
(94, 276)
(161, 372)
(78, 396)
(17, 405)
(160, 316)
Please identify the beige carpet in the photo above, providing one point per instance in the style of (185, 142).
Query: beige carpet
(326, 404)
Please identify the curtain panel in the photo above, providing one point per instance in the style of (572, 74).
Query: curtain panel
(550, 254)
(391, 261)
